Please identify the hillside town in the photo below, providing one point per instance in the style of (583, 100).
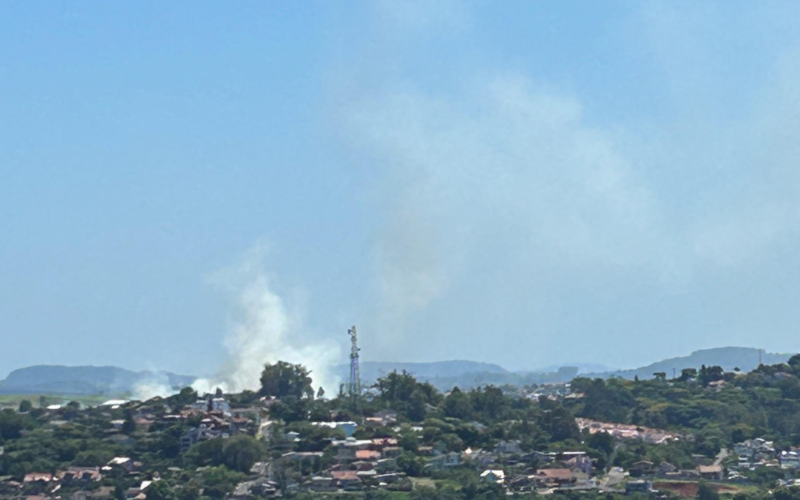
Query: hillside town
(401, 437)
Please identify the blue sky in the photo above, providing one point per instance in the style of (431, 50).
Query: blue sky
(527, 183)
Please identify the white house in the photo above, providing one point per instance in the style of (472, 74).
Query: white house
(493, 476)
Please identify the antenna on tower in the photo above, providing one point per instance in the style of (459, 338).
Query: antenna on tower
(354, 384)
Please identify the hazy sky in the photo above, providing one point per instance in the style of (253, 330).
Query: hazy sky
(527, 183)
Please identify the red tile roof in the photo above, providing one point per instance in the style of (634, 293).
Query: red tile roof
(368, 455)
(345, 475)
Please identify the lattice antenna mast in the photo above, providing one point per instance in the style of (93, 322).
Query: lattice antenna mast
(354, 385)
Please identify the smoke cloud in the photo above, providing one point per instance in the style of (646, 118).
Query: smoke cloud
(515, 214)
(156, 385)
(264, 330)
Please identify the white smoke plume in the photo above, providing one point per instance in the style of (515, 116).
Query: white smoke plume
(156, 385)
(263, 331)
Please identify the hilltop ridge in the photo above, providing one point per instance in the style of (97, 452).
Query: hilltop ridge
(84, 380)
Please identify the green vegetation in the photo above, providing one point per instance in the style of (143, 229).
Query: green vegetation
(710, 408)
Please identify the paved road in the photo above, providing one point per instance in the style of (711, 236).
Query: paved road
(612, 480)
(722, 455)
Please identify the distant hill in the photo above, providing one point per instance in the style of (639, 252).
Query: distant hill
(84, 380)
(445, 375)
(114, 381)
(582, 368)
(744, 358)
(372, 370)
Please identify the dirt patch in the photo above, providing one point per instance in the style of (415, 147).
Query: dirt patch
(689, 489)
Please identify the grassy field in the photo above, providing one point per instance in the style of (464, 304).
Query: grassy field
(13, 400)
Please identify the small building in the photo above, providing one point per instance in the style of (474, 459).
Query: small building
(710, 472)
(495, 476)
(368, 455)
(666, 468)
(120, 463)
(37, 477)
(790, 459)
(553, 478)
(349, 428)
(642, 468)
(346, 478)
(638, 486)
(508, 448)
(445, 461)
(84, 474)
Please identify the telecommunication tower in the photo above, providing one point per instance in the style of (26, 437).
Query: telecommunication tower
(354, 385)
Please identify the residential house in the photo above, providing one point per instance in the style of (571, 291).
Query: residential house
(523, 483)
(42, 478)
(544, 457)
(299, 456)
(367, 475)
(553, 478)
(221, 405)
(495, 476)
(321, 483)
(368, 455)
(445, 461)
(349, 428)
(83, 474)
(389, 478)
(710, 472)
(260, 487)
(383, 418)
(638, 486)
(124, 463)
(790, 459)
(480, 458)
(755, 449)
(380, 443)
(508, 447)
(642, 468)
(204, 432)
(580, 462)
(346, 479)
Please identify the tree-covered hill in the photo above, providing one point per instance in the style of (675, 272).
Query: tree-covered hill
(83, 380)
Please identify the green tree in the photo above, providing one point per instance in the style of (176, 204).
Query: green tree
(409, 441)
(241, 452)
(129, 425)
(219, 481)
(186, 396)
(457, 404)
(411, 464)
(12, 424)
(205, 453)
(709, 374)
(160, 490)
(284, 379)
(706, 492)
(417, 406)
(601, 441)
(25, 406)
(688, 374)
(794, 364)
